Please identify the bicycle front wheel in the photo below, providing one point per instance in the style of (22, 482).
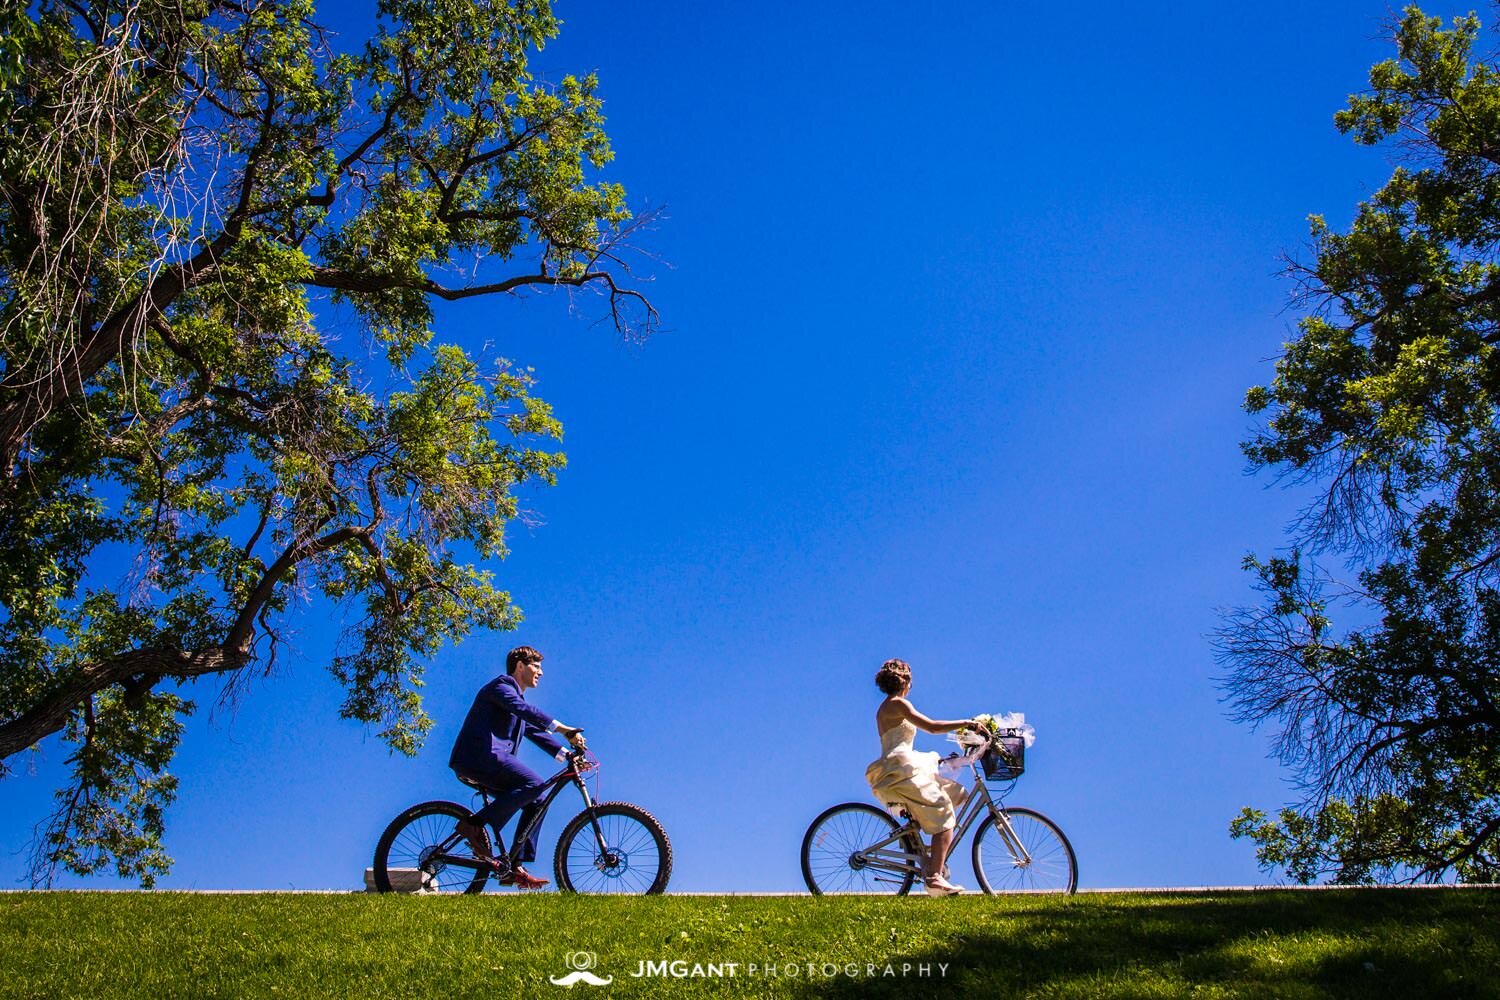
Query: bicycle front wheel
(1033, 856)
(613, 847)
(855, 847)
(422, 852)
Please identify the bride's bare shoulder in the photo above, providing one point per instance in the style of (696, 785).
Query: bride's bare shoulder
(894, 709)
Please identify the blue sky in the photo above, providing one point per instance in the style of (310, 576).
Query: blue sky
(960, 311)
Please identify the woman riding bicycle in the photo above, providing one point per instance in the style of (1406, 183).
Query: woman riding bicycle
(904, 778)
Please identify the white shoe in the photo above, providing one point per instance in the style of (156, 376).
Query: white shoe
(939, 886)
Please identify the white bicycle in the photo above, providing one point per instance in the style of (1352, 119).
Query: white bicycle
(855, 847)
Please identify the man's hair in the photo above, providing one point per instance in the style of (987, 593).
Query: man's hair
(893, 676)
(520, 655)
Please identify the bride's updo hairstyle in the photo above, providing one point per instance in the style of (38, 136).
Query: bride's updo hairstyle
(893, 676)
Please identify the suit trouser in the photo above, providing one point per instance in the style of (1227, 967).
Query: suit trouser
(514, 786)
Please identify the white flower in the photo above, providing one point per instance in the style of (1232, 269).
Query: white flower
(967, 737)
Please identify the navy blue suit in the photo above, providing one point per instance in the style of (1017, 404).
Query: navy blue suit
(485, 752)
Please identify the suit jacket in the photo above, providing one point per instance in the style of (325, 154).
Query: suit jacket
(495, 724)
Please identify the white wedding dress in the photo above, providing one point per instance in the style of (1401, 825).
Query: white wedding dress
(905, 778)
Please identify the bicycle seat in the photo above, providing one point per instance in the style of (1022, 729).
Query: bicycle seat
(475, 784)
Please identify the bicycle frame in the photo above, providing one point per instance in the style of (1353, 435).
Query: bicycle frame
(568, 775)
(555, 785)
(978, 804)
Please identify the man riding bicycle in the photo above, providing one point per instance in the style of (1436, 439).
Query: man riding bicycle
(485, 753)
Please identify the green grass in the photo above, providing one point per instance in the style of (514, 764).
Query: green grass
(1355, 943)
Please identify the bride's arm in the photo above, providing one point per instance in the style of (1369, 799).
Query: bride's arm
(922, 722)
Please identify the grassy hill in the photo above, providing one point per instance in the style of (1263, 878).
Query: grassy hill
(1352, 943)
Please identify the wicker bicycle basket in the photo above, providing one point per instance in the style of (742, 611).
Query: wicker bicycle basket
(1005, 760)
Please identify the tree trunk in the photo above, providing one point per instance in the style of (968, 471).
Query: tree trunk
(51, 714)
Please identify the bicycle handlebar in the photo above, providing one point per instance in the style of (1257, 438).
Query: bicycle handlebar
(581, 759)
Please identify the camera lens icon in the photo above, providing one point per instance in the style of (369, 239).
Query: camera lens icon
(582, 961)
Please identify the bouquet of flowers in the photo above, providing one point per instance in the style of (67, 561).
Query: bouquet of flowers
(993, 724)
(1006, 755)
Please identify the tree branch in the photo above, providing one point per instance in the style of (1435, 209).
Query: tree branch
(50, 713)
(353, 281)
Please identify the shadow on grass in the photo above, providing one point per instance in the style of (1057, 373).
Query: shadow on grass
(1355, 943)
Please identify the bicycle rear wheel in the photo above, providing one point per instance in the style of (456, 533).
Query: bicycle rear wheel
(421, 852)
(1048, 864)
(629, 854)
(834, 852)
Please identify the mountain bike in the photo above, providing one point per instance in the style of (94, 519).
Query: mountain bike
(855, 847)
(609, 847)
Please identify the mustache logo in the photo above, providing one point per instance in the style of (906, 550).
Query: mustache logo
(581, 976)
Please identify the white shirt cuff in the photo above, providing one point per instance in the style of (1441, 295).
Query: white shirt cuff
(552, 728)
(562, 755)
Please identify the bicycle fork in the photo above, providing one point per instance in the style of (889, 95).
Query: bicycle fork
(1007, 833)
(1018, 852)
(588, 805)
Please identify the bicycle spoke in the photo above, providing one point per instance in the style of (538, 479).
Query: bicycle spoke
(630, 861)
(839, 853)
(422, 852)
(1047, 864)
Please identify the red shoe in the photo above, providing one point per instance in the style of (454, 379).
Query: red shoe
(523, 879)
(479, 845)
(474, 833)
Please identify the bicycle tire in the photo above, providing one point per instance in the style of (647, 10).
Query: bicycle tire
(636, 859)
(829, 846)
(409, 842)
(1053, 867)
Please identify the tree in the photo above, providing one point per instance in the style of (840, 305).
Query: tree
(182, 183)
(1384, 688)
